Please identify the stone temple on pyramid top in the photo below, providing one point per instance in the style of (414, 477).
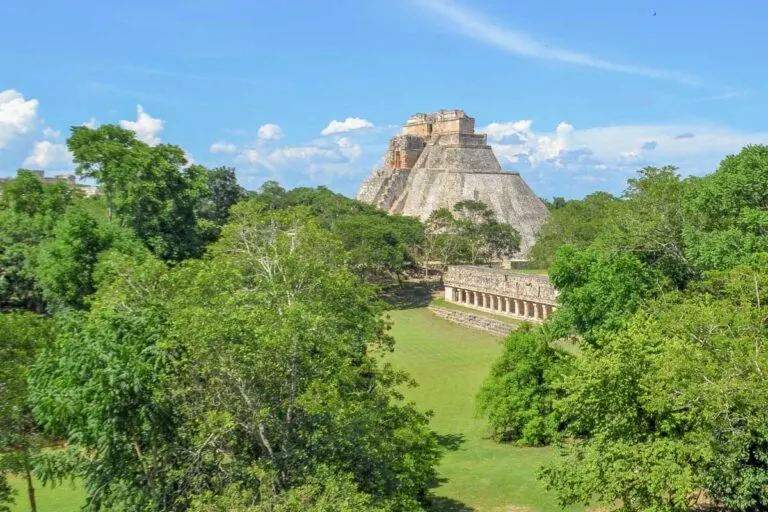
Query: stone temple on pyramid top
(439, 160)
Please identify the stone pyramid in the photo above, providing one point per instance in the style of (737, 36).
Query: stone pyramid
(439, 160)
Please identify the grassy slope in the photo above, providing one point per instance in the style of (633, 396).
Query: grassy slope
(63, 498)
(450, 363)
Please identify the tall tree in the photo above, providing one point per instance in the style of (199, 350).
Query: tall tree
(151, 189)
(729, 211)
(482, 238)
(576, 223)
(666, 408)
(223, 193)
(254, 370)
(22, 335)
(67, 260)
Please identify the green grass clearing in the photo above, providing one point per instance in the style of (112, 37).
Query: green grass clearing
(450, 363)
(62, 498)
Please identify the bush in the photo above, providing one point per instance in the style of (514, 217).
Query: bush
(518, 394)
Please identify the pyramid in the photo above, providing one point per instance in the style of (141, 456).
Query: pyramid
(439, 160)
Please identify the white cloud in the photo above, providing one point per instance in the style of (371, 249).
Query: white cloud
(350, 123)
(46, 154)
(223, 147)
(270, 131)
(51, 134)
(146, 127)
(474, 25)
(349, 149)
(335, 156)
(567, 159)
(91, 123)
(17, 115)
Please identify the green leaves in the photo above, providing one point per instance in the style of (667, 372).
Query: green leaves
(150, 189)
(666, 405)
(517, 396)
(247, 372)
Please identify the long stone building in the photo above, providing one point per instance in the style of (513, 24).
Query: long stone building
(439, 160)
(501, 291)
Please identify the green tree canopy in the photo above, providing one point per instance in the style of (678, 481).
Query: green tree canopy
(668, 404)
(150, 189)
(729, 211)
(576, 223)
(253, 368)
(517, 396)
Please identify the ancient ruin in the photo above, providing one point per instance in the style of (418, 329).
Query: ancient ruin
(500, 291)
(69, 179)
(439, 160)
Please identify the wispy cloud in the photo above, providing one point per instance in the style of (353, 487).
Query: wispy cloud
(190, 76)
(473, 24)
(729, 95)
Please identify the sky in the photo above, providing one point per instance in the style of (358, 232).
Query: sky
(576, 96)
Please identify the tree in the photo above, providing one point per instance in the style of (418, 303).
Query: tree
(599, 290)
(28, 211)
(24, 193)
(224, 192)
(66, 261)
(295, 382)
(107, 155)
(727, 211)
(650, 222)
(666, 407)
(517, 396)
(150, 189)
(241, 375)
(439, 242)
(481, 237)
(22, 335)
(576, 223)
(556, 203)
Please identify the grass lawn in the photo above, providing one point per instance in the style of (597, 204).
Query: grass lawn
(63, 498)
(450, 362)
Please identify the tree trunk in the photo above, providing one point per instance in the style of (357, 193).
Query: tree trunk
(30, 490)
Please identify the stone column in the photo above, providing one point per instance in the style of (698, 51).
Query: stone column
(474, 298)
(544, 311)
(525, 308)
(516, 306)
(449, 294)
(506, 305)
(535, 311)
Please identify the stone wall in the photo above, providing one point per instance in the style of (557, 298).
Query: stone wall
(504, 282)
(473, 321)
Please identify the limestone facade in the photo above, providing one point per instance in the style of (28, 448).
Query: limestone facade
(439, 160)
(69, 179)
(501, 291)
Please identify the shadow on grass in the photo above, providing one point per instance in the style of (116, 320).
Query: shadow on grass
(443, 504)
(409, 295)
(449, 442)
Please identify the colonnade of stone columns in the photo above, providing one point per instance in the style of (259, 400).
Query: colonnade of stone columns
(504, 305)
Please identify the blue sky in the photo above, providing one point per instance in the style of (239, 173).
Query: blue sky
(574, 95)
